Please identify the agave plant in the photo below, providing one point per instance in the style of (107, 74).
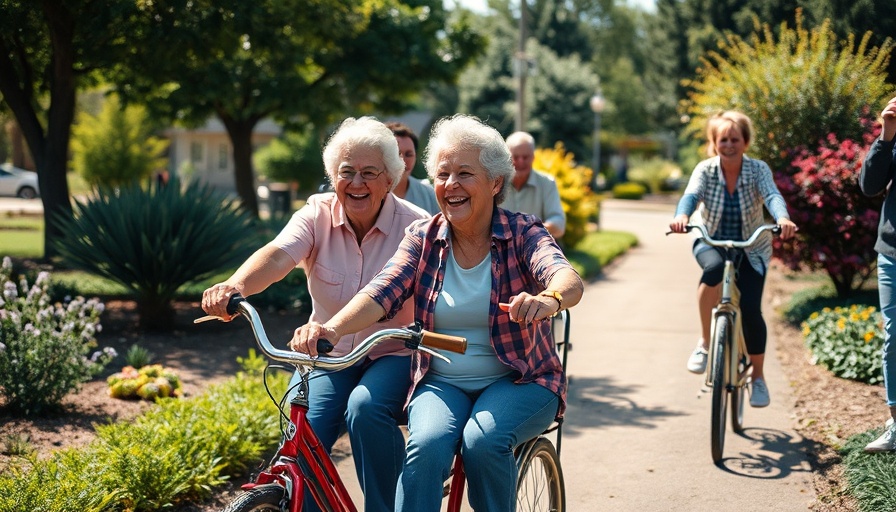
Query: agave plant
(155, 240)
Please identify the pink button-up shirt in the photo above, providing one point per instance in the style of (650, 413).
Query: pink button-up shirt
(320, 240)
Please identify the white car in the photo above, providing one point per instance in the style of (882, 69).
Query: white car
(17, 182)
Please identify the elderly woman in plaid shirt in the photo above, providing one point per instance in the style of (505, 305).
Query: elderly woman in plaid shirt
(733, 189)
(458, 266)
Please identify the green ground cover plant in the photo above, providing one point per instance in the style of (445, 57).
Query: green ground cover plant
(871, 478)
(175, 453)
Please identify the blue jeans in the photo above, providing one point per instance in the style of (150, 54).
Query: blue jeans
(367, 399)
(886, 276)
(487, 426)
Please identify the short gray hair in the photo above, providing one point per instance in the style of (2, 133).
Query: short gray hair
(517, 138)
(365, 132)
(463, 132)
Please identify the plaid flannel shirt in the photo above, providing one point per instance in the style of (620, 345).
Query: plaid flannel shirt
(524, 259)
(755, 186)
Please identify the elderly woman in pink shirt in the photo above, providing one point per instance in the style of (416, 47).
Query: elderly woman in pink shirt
(342, 239)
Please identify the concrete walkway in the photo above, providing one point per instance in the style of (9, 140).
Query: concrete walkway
(636, 436)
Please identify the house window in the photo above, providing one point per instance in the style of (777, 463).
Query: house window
(223, 156)
(197, 153)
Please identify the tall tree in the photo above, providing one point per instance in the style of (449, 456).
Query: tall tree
(298, 61)
(48, 49)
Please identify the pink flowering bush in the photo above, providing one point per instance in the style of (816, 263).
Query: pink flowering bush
(837, 223)
(45, 347)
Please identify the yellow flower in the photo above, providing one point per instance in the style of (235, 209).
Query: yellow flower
(869, 336)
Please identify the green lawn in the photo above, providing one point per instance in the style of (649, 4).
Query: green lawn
(21, 236)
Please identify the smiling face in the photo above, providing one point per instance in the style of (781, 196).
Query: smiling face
(362, 198)
(465, 193)
(730, 142)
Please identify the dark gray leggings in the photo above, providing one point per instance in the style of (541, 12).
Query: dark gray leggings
(749, 281)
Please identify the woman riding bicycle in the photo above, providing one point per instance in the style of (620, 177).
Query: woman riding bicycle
(510, 385)
(342, 239)
(733, 189)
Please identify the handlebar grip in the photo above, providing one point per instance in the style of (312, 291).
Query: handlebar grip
(232, 304)
(444, 342)
(324, 346)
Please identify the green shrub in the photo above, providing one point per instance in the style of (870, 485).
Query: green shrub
(154, 241)
(138, 356)
(629, 190)
(657, 173)
(579, 202)
(797, 84)
(44, 346)
(64, 483)
(18, 445)
(294, 157)
(847, 341)
(117, 146)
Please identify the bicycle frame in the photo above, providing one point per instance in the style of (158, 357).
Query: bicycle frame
(291, 469)
(301, 463)
(729, 305)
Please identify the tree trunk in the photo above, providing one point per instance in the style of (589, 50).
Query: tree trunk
(48, 149)
(240, 133)
(156, 314)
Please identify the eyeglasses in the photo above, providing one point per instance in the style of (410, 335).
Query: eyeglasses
(367, 174)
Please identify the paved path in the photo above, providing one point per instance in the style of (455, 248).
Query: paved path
(637, 431)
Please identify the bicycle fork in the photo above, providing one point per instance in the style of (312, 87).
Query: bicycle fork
(729, 306)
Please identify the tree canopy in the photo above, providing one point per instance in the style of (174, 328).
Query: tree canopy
(244, 61)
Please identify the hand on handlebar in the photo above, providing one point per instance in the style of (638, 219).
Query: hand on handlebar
(788, 229)
(526, 309)
(216, 298)
(679, 224)
(305, 338)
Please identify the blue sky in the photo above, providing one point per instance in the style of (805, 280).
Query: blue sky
(480, 5)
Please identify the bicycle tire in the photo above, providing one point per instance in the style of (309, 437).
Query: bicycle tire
(737, 394)
(721, 335)
(264, 498)
(540, 486)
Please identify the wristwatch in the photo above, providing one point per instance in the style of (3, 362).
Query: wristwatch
(555, 295)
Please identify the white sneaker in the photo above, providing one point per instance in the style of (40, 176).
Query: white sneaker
(759, 393)
(697, 361)
(886, 442)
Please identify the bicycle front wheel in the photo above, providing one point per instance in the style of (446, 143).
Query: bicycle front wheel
(264, 498)
(721, 343)
(540, 485)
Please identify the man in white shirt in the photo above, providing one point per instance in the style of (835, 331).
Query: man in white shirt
(533, 191)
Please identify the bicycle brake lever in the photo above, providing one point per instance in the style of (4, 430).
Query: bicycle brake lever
(207, 318)
(434, 353)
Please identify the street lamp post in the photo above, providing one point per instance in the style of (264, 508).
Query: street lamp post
(597, 106)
